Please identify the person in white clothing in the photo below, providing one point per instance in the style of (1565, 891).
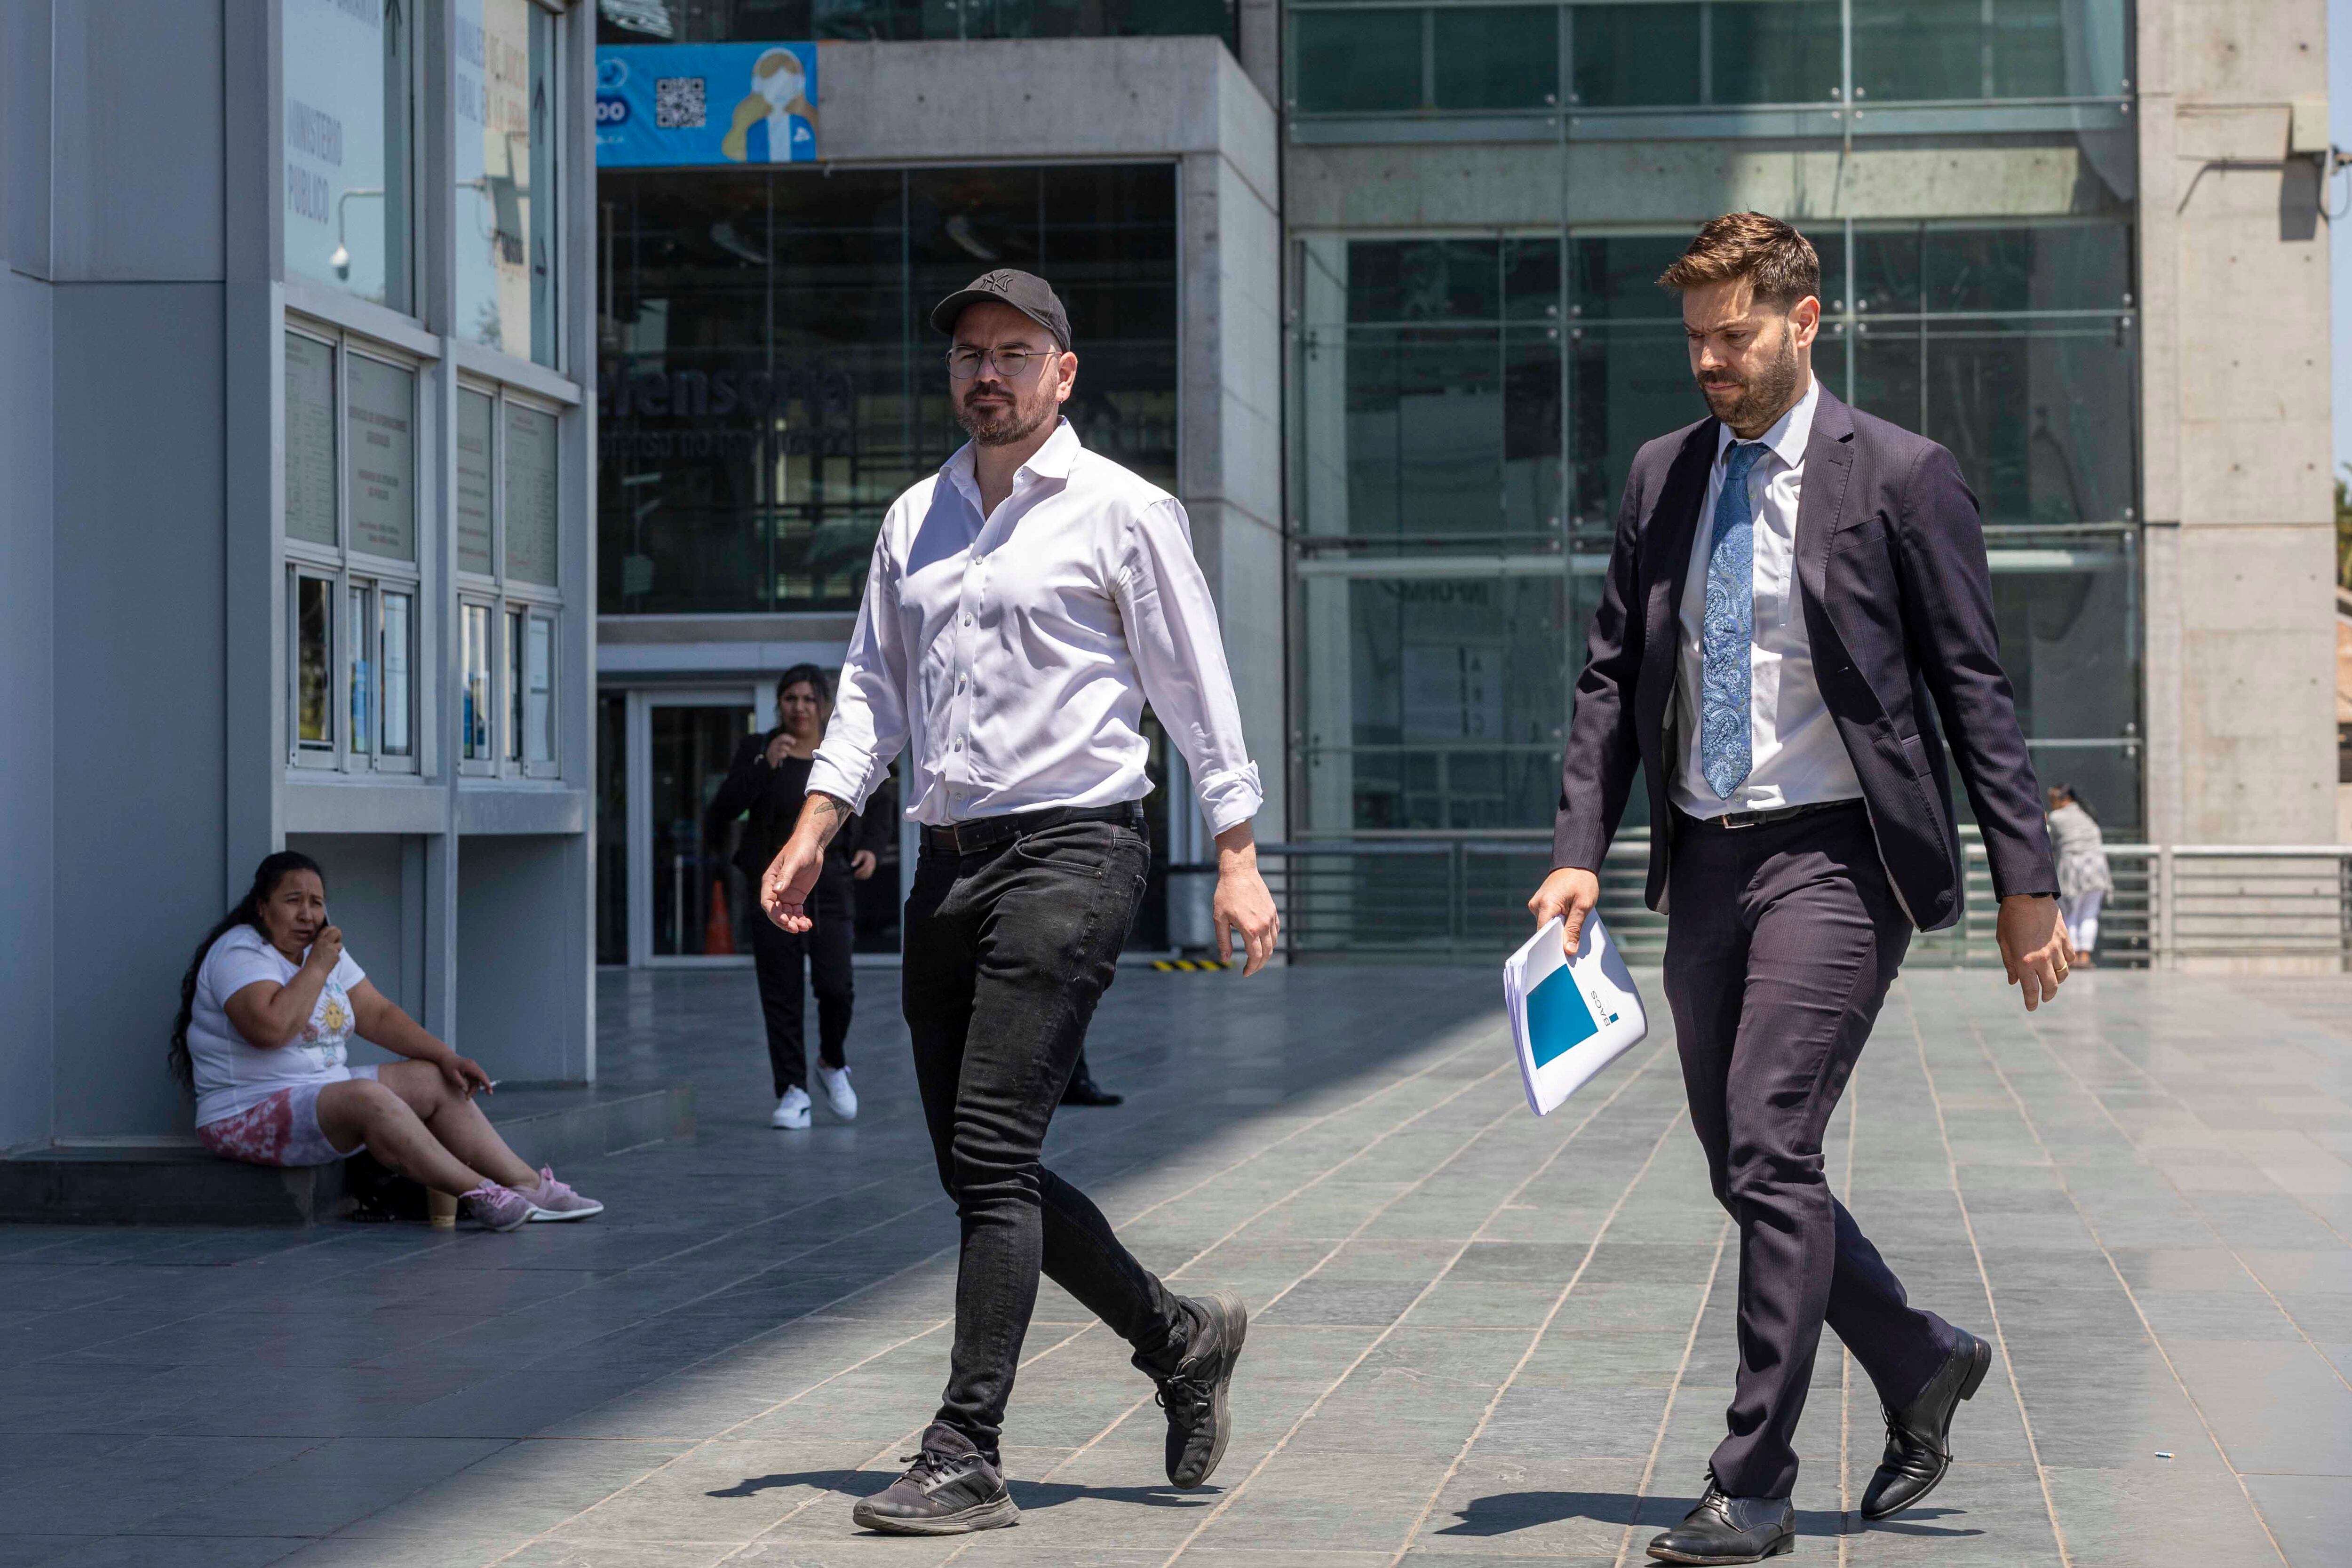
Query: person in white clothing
(2085, 877)
(1023, 605)
(268, 1009)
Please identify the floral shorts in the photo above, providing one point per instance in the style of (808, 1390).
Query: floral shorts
(282, 1129)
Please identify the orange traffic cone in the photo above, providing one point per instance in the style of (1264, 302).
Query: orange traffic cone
(718, 931)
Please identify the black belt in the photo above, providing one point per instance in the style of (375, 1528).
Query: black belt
(987, 832)
(1733, 821)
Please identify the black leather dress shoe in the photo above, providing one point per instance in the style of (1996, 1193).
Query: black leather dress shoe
(1083, 1090)
(1724, 1529)
(1919, 1435)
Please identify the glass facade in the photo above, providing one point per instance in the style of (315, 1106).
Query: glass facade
(504, 96)
(351, 145)
(1467, 412)
(769, 385)
(1615, 66)
(696, 21)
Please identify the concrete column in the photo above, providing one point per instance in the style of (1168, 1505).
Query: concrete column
(1261, 46)
(2234, 283)
(1229, 464)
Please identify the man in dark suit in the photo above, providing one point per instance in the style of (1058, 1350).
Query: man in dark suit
(1797, 605)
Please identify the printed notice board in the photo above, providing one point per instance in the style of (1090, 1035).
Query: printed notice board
(680, 105)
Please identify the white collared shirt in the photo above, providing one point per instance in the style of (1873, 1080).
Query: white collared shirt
(1014, 652)
(1795, 754)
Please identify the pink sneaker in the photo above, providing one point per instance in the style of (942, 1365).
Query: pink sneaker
(494, 1207)
(554, 1200)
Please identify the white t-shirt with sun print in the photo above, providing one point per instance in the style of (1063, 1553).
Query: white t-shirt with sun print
(232, 1074)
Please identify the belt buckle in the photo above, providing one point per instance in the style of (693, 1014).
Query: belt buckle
(1736, 821)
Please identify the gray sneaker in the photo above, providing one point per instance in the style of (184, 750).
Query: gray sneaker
(1194, 1395)
(948, 1489)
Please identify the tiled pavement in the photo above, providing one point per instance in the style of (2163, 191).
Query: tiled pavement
(1479, 1338)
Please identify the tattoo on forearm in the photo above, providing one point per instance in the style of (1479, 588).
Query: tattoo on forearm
(827, 813)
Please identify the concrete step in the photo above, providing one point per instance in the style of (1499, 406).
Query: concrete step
(177, 1181)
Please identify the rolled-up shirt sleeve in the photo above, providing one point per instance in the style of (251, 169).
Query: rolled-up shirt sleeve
(1171, 631)
(869, 710)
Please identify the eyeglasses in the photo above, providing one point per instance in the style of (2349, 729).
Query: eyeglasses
(1011, 363)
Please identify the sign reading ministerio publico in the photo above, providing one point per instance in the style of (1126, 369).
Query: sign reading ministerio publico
(704, 105)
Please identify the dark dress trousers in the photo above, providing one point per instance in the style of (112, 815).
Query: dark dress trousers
(790, 963)
(1782, 939)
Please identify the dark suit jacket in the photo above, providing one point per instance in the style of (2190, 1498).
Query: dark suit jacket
(1898, 605)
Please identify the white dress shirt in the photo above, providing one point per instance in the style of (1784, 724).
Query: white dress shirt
(1796, 756)
(1014, 652)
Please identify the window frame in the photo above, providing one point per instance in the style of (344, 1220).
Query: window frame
(560, 19)
(506, 596)
(418, 47)
(349, 569)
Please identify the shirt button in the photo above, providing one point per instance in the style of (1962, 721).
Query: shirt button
(967, 620)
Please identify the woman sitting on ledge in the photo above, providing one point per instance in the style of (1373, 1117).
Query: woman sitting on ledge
(266, 1009)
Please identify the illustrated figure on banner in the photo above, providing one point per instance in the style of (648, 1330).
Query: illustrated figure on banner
(776, 114)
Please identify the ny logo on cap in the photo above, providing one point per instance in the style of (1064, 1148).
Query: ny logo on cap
(998, 279)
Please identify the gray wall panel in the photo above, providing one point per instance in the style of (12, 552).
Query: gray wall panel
(519, 955)
(27, 836)
(136, 191)
(138, 754)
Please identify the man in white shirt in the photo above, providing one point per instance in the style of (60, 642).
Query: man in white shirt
(1797, 602)
(1023, 605)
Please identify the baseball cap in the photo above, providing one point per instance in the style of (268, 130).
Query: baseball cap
(1025, 291)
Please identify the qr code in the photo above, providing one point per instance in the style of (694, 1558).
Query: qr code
(677, 103)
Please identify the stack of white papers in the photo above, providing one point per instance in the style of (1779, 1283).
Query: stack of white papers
(1569, 1018)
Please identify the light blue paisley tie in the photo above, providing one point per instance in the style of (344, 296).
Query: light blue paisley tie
(1729, 630)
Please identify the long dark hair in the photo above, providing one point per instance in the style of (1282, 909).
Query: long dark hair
(273, 870)
(814, 677)
(2074, 797)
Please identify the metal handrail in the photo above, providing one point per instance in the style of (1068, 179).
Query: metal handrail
(1463, 895)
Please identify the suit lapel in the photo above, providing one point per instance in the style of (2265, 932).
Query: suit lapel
(1820, 501)
(1672, 532)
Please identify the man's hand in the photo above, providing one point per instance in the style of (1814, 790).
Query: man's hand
(1569, 892)
(792, 875)
(1242, 902)
(464, 1074)
(862, 864)
(2034, 946)
(791, 878)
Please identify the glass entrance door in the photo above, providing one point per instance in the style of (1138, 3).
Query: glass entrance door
(687, 900)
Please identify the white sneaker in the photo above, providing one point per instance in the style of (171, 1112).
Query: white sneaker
(792, 1111)
(838, 1095)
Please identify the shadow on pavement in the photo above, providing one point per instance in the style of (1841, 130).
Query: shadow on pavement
(1030, 1495)
(1504, 1512)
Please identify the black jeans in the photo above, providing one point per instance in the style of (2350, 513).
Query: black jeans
(1007, 952)
(781, 958)
(1780, 945)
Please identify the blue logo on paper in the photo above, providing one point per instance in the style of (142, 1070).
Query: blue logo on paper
(612, 71)
(1558, 1017)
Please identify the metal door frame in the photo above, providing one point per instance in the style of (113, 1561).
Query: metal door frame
(638, 724)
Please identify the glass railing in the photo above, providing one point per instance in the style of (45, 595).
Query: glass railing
(1364, 70)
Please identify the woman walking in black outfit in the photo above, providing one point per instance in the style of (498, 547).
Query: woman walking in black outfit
(768, 779)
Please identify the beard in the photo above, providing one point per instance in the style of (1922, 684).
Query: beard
(1764, 395)
(1014, 424)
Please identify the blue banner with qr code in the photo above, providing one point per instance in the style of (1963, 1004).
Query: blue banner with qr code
(662, 106)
